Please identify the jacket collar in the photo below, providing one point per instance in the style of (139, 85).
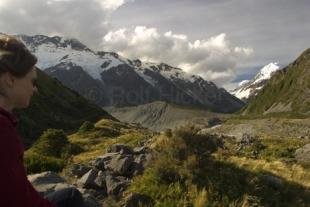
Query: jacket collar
(9, 115)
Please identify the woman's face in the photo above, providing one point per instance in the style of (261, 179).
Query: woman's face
(23, 89)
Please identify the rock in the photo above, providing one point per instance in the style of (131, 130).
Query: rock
(136, 199)
(141, 150)
(246, 139)
(116, 185)
(101, 161)
(120, 164)
(120, 148)
(302, 155)
(100, 179)
(45, 178)
(79, 170)
(214, 121)
(48, 182)
(90, 201)
(88, 180)
(274, 182)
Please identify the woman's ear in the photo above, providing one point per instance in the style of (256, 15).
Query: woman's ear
(8, 79)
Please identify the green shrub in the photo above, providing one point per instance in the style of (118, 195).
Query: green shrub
(36, 163)
(51, 143)
(86, 127)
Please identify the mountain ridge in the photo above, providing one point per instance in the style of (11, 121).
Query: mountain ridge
(248, 89)
(148, 81)
(287, 92)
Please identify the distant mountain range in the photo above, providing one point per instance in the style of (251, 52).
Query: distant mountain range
(286, 93)
(111, 80)
(248, 89)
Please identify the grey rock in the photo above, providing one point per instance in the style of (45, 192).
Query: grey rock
(116, 185)
(45, 178)
(302, 155)
(100, 180)
(101, 161)
(141, 150)
(136, 199)
(90, 201)
(47, 182)
(120, 148)
(88, 180)
(274, 182)
(79, 170)
(120, 164)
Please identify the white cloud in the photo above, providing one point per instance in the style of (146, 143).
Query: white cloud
(112, 4)
(87, 21)
(215, 58)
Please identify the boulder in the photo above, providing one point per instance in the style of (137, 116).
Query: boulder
(45, 178)
(302, 155)
(90, 201)
(79, 170)
(47, 182)
(274, 182)
(120, 148)
(100, 179)
(101, 161)
(141, 150)
(120, 164)
(137, 199)
(116, 185)
(88, 180)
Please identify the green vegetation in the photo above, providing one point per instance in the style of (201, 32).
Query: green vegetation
(50, 152)
(199, 170)
(191, 168)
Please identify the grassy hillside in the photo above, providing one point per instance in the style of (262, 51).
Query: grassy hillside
(55, 106)
(195, 168)
(287, 93)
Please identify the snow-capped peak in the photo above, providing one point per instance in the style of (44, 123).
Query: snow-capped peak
(265, 72)
(247, 88)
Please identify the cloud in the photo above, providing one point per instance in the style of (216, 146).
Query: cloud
(87, 21)
(215, 58)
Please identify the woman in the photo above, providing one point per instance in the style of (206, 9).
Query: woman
(17, 86)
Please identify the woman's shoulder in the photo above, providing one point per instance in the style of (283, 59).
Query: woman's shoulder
(6, 125)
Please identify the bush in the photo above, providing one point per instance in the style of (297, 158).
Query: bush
(86, 127)
(51, 143)
(198, 143)
(36, 163)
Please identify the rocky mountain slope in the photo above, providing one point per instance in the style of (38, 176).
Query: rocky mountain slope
(56, 106)
(159, 115)
(248, 89)
(287, 92)
(111, 80)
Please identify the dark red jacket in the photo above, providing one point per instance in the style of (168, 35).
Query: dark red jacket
(15, 189)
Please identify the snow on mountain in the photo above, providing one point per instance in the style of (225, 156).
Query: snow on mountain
(55, 50)
(100, 74)
(265, 72)
(249, 88)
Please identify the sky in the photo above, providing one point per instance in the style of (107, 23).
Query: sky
(224, 41)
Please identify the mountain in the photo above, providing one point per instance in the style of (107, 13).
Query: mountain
(250, 88)
(160, 115)
(55, 106)
(111, 80)
(287, 92)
